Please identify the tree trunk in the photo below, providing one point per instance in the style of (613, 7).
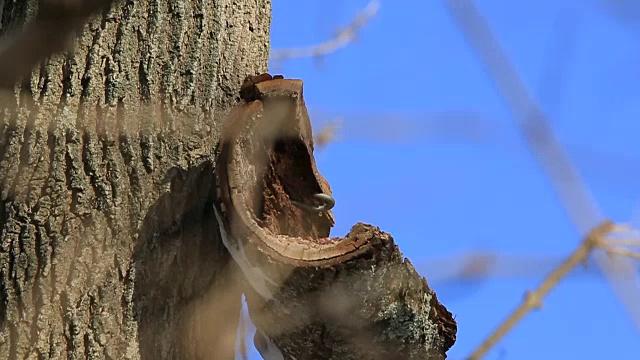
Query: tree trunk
(109, 246)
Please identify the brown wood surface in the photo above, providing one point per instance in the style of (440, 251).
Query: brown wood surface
(354, 297)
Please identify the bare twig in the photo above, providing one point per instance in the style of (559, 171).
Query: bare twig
(617, 247)
(471, 127)
(328, 133)
(558, 56)
(533, 299)
(530, 116)
(622, 252)
(481, 266)
(343, 37)
(624, 242)
(539, 136)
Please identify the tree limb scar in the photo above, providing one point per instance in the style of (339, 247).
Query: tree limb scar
(313, 296)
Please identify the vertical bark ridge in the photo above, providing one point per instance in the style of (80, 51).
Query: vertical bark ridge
(108, 242)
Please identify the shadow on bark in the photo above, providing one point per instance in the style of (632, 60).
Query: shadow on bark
(187, 297)
(312, 296)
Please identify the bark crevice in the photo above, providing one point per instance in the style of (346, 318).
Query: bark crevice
(86, 143)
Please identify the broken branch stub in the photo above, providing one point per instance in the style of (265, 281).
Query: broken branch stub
(311, 296)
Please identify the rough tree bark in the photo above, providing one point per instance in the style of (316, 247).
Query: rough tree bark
(108, 246)
(311, 296)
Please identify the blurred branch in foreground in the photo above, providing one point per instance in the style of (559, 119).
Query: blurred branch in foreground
(343, 37)
(472, 269)
(452, 125)
(626, 245)
(533, 299)
(558, 59)
(615, 240)
(540, 137)
(625, 12)
(328, 133)
(47, 34)
(475, 267)
(471, 128)
(529, 116)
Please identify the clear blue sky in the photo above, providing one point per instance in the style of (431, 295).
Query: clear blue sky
(445, 190)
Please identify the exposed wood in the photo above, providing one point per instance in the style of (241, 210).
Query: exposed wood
(311, 296)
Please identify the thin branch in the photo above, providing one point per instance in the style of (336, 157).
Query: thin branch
(623, 242)
(343, 37)
(477, 267)
(628, 231)
(328, 133)
(558, 55)
(540, 137)
(531, 119)
(535, 128)
(533, 299)
(473, 128)
(622, 252)
(623, 235)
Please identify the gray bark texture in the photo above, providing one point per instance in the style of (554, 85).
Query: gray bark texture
(109, 247)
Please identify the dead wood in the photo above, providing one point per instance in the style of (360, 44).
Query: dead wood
(311, 296)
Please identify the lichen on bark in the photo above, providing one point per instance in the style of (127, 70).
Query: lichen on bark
(108, 245)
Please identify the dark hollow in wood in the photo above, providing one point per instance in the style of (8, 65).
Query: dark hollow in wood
(354, 297)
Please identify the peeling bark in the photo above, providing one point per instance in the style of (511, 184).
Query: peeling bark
(311, 296)
(109, 247)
